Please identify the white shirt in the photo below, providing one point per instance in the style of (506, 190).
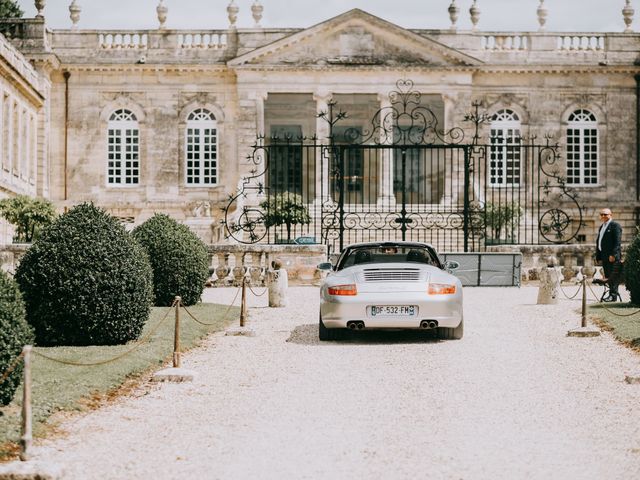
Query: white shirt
(602, 230)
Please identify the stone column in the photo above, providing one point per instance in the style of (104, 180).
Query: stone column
(549, 284)
(278, 284)
(385, 166)
(322, 99)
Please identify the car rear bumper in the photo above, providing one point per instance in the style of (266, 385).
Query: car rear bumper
(337, 312)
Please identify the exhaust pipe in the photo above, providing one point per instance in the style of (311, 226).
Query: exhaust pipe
(428, 324)
(355, 325)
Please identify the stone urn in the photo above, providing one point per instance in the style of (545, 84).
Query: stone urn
(454, 11)
(40, 7)
(162, 11)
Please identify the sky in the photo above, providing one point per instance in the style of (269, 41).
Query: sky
(497, 15)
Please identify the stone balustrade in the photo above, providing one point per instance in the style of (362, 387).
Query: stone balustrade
(123, 40)
(230, 263)
(202, 39)
(513, 42)
(581, 43)
(570, 259)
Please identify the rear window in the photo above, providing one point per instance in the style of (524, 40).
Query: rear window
(388, 254)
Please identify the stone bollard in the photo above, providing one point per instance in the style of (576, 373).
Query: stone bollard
(278, 284)
(549, 284)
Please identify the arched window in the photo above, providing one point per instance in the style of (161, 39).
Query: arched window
(582, 148)
(123, 157)
(201, 149)
(505, 155)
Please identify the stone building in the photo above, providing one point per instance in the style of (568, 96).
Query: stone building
(141, 121)
(24, 96)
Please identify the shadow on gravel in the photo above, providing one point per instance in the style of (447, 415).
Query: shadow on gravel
(308, 335)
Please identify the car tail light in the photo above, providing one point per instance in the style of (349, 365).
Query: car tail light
(343, 290)
(441, 289)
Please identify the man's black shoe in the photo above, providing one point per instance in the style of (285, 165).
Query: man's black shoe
(610, 298)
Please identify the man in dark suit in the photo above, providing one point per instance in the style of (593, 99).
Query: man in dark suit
(608, 249)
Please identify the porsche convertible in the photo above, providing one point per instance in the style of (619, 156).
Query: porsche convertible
(390, 285)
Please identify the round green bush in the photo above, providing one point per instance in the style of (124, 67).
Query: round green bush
(86, 281)
(15, 333)
(632, 270)
(178, 257)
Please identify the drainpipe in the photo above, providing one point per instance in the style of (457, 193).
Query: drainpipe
(637, 77)
(66, 76)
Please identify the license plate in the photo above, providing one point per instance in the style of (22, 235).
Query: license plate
(393, 310)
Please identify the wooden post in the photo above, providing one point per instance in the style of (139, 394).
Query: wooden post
(243, 305)
(584, 300)
(26, 438)
(176, 335)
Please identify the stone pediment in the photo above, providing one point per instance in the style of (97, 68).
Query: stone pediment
(355, 38)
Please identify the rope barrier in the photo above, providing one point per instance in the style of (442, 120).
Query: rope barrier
(13, 366)
(118, 357)
(614, 313)
(565, 293)
(257, 294)
(224, 316)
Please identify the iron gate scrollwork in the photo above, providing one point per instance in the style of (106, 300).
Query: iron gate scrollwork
(403, 177)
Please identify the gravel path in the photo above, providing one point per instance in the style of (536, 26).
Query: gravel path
(515, 398)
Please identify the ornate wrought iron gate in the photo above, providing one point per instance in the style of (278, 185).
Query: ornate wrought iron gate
(404, 179)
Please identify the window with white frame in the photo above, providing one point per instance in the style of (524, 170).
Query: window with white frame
(505, 152)
(201, 149)
(123, 156)
(582, 148)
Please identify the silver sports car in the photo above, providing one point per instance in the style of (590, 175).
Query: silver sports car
(390, 285)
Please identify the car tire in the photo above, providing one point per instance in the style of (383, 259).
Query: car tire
(325, 333)
(456, 333)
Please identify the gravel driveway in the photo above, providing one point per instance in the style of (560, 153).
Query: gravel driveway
(514, 399)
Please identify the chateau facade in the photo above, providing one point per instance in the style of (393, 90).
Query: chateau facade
(167, 120)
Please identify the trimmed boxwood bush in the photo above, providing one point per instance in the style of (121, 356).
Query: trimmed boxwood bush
(15, 333)
(632, 270)
(178, 257)
(86, 281)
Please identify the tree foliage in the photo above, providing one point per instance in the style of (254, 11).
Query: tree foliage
(15, 332)
(287, 209)
(632, 269)
(10, 9)
(29, 216)
(179, 259)
(86, 281)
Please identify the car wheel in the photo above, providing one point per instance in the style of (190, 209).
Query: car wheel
(325, 333)
(456, 333)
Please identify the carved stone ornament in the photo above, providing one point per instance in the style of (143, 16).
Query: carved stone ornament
(40, 7)
(454, 11)
(74, 14)
(162, 11)
(542, 15)
(232, 12)
(474, 12)
(627, 14)
(256, 12)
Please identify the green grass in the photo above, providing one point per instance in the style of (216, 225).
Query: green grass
(57, 387)
(625, 328)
